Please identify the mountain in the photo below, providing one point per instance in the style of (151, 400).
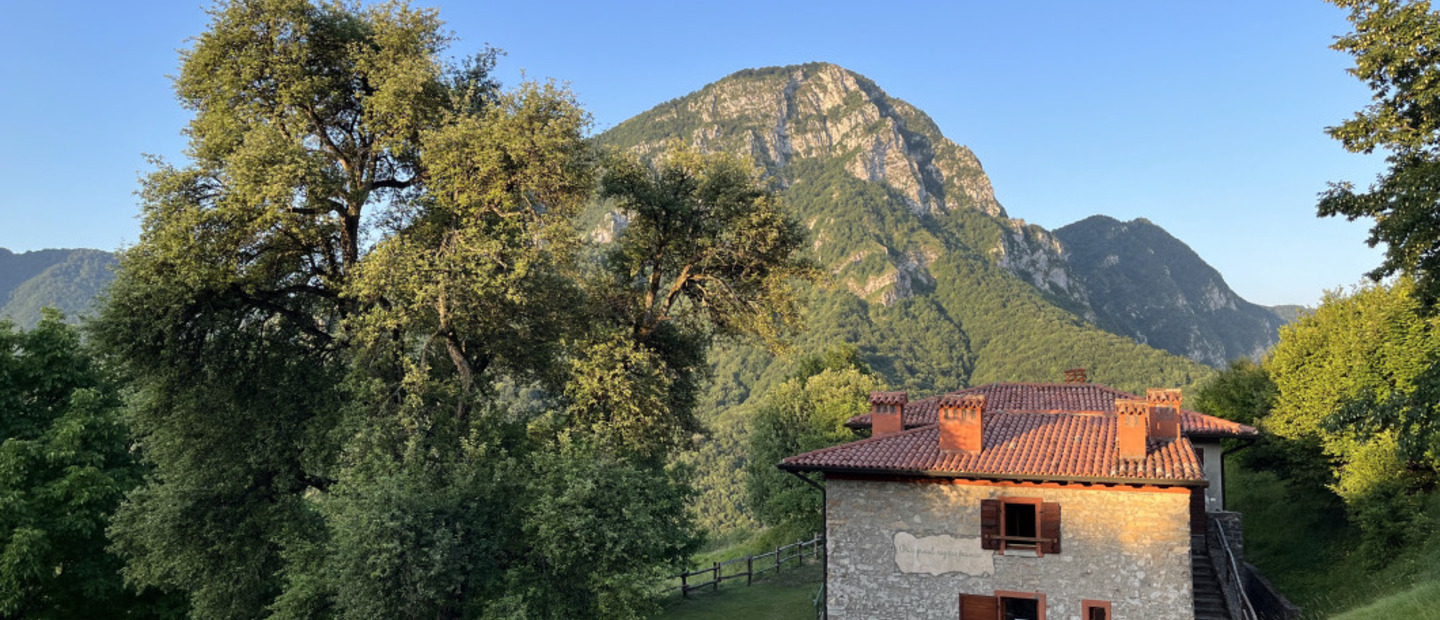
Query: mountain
(933, 281)
(1143, 283)
(69, 280)
(930, 278)
(1290, 312)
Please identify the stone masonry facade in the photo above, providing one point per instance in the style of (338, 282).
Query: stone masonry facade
(907, 550)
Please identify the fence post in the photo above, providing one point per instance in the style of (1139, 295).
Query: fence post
(717, 577)
(777, 559)
(684, 587)
(749, 569)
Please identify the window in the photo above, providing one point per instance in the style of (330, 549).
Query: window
(1020, 523)
(1003, 605)
(1018, 528)
(1094, 610)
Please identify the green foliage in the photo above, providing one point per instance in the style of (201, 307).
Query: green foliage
(1357, 379)
(1396, 44)
(375, 370)
(1242, 392)
(806, 412)
(66, 465)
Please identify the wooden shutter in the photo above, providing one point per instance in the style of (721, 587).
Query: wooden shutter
(974, 607)
(989, 524)
(1050, 526)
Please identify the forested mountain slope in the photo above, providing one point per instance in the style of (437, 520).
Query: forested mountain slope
(65, 279)
(1144, 283)
(928, 277)
(931, 279)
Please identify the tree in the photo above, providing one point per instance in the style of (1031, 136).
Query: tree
(1360, 378)
(67, 465)
(376, 373)
(1396, 45)
(806, 412)
(1243, 392)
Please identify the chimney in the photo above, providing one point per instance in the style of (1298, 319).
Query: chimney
(1075, 375)
(886, 413)
(1163, 397)
(960, 427)
(1164, 413)
(1132, 421)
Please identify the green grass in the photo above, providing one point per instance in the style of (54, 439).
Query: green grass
(786, 596)
(1421, 602)
(1301, 541)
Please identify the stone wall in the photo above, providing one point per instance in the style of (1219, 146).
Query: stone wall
(908, 550)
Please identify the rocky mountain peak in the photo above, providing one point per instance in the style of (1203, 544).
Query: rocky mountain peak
(780, 115)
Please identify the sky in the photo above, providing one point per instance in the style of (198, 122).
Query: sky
(1206, 118)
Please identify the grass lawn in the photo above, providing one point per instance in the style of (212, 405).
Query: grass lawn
(1419, 603)
(786, 596)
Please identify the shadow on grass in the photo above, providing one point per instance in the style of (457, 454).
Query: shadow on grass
(784, 596)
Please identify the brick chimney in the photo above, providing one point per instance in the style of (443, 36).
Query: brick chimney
(1132, 421)
(1164, 413)
(886, 413)
(960, 427)
(1075, 375)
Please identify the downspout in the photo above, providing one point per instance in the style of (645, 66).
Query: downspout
(825, 530)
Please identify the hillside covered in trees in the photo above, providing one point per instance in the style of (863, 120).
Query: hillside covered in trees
(923, 271)
(67, 280)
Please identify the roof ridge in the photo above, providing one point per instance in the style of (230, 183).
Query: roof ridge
(867, 440)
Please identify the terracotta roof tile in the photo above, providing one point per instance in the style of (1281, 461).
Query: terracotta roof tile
(1060, 398)
(1017, 445)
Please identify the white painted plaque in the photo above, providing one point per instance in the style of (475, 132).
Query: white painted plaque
(942, 554)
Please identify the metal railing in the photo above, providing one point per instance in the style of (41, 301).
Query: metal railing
(1235, 577)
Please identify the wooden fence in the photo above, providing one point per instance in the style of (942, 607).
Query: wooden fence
(754, 565)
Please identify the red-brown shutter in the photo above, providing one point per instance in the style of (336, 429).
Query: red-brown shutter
(1050, 526)
(974, 607)
(989, 524)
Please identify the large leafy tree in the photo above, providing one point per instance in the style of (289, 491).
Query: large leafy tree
(1359, 379)
(66, 466)
(376, 374)
(806, 412)
(1396, 45)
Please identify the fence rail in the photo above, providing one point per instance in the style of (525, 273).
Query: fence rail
(775, 560)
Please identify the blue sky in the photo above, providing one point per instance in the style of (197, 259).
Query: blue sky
(1204, 117)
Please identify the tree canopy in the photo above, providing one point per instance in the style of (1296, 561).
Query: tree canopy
(1396, 45)
(377, 372)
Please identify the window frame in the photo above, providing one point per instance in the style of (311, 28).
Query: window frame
(1001, 595)
(1088, 604)
(1036, 504)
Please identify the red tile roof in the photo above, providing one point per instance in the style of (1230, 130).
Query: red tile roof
(1021, 445)
(1061, 398)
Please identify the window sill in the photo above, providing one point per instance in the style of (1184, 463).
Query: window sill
(1021, 553)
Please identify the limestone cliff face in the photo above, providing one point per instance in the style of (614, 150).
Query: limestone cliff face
(796, 120)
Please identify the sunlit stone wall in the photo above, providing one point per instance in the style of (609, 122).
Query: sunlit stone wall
(908, 550)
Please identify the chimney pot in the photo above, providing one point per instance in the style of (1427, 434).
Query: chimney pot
(887, 413)
(961, 426)
(1132, 422)
(1075, 375)
(1164, 397)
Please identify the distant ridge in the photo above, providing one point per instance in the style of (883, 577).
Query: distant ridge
(67, 279)
(1144, 283)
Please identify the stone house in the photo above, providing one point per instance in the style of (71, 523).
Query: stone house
(1026, 501)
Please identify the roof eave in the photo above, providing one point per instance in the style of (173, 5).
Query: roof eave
(871, 471)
